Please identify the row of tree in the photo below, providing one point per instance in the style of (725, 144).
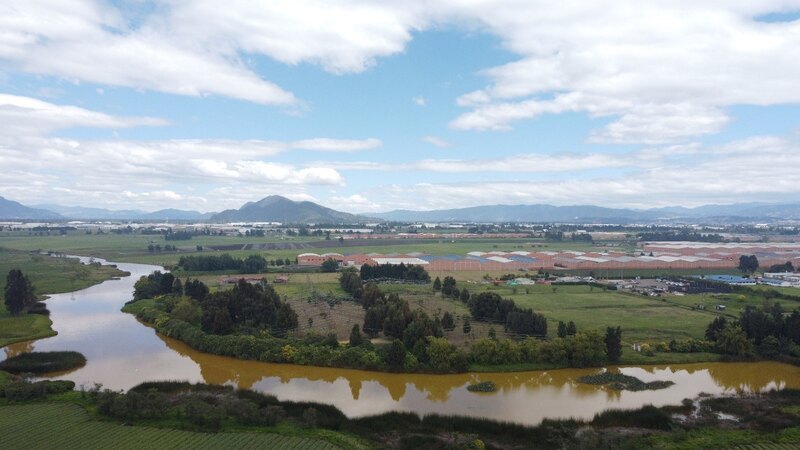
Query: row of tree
(210, 263)
(395, 272)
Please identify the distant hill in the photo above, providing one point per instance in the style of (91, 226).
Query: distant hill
(280, 209)
(521, 213)
(11, 210)
(177, 214)
(587, 213)
(82, 213)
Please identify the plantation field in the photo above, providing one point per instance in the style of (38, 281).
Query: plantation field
(66, 426)
(133, 248)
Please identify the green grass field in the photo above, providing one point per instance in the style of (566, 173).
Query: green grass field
(67, 426)
(48, 276)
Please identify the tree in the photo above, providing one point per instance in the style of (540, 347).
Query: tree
(464, 295)
(18, 293)
(732, 340)
(396, 355)
(437, 285)
(355, 336)
(572, 330)
(448, 323)
(329, 265)
(748, 264)
(562, 329)
(467, 328)
(716, 325)
(448, 286)
(492, 333)
(613, 342)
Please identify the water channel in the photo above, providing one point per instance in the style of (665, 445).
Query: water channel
(122, 352)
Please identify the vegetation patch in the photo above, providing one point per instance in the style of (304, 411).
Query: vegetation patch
(43, 362)
(483, 386)
(622, 382)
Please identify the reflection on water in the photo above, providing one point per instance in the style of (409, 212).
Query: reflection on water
(121, 353)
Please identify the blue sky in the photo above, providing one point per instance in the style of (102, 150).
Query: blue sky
(374, 106)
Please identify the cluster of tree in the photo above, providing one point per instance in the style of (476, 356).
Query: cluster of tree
(157, 248)
(209, 263)
(329, 265)
(786, 267)
(584, 349)
(767, 330)
(582, 237)
(490, 307)
(18, 294)
(254, 233)
(350, 281)
(448, 289)
(177, 235)
(681, 235)
(155, 284)
(247, 308)
(395, 272)
(748, 263)
(567, 329)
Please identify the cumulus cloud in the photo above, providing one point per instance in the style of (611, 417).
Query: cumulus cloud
(662, 72)
(659, 71)
(354, 203)
(420, 101)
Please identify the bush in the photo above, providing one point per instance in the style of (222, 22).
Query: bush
(647, 417)
(22, 391)
(43, 362)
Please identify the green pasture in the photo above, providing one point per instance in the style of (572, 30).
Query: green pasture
(133, 247)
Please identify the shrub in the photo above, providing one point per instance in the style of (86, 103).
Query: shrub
(43, 362)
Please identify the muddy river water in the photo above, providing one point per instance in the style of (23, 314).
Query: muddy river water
(122, 352)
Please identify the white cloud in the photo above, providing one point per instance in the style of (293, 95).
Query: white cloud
(436, 141)
(336, 145)
(29, 116)
(420, 101)
(353, 203)
(659, 71)
(663, 177)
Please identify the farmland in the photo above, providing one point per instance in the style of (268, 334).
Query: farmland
(64, 425)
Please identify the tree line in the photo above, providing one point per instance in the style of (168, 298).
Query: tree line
(395, 272)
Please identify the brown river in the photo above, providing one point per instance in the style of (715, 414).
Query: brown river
(121, 353)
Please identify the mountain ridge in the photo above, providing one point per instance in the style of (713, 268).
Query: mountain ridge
(276, 208)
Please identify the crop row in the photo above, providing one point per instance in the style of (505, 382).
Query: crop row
(66, 426)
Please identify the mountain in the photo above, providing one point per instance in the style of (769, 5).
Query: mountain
(586, 213)
(521, 213)
(280, 209)
(176, 214)
(82, 213)
(11, 210)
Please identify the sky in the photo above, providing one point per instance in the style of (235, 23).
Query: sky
(371, 106)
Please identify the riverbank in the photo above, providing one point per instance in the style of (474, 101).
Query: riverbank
(172, 412)
(49, 275)
(148, 312)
